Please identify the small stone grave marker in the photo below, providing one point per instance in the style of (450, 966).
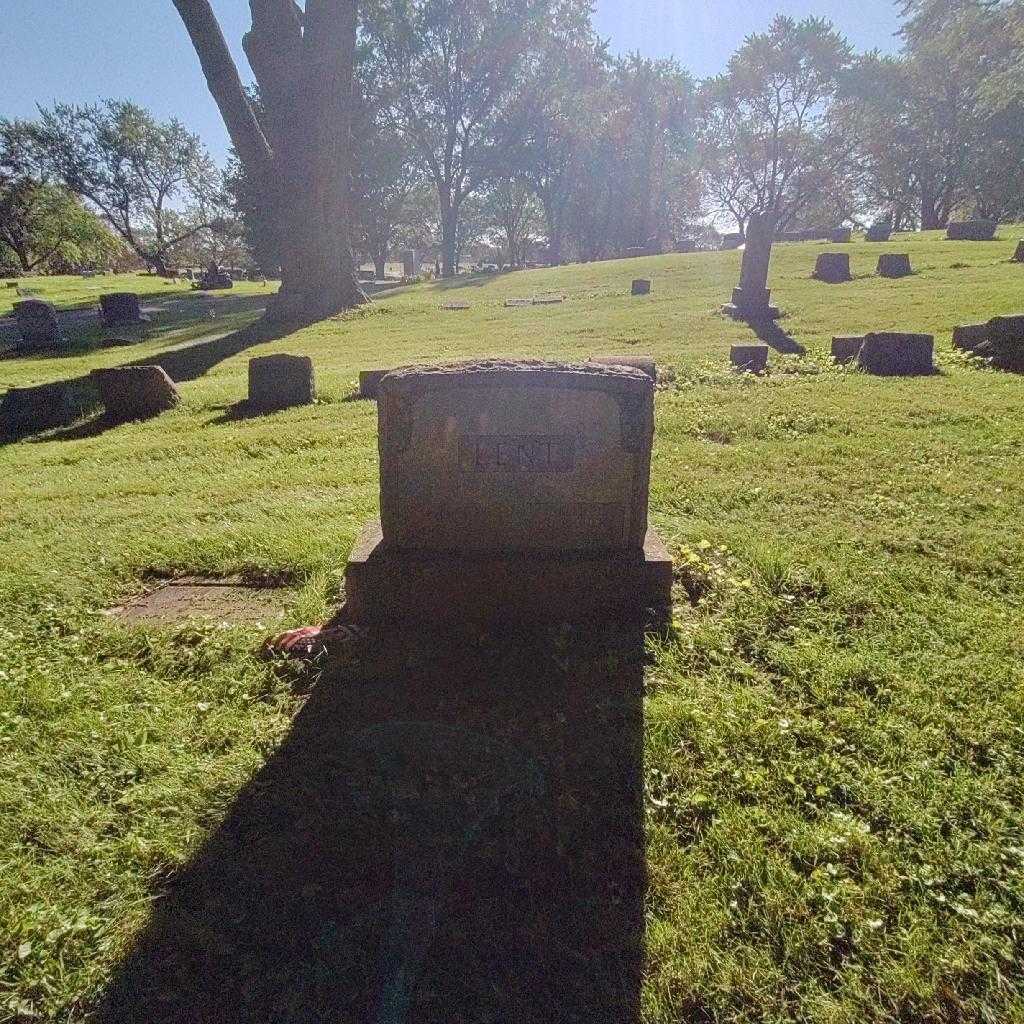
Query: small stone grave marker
(449, 306)
(369, 382)
(549, 300)
(641, 287)
(121, 309)
(1018, 256)
(846, 347)
(972, 230)
(750, 358)
(281, 381)
(38, 324)
(840, 236)
(222, 600)
(894, 264)
(967, 337)
(135, 392)
(833, 267)
(516, 303)
(880, 231)
(892, 354)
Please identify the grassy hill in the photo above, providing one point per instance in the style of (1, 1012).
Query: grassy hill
(834, 748)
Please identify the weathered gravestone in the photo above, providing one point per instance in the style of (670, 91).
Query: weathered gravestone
(1001, 341)
(369, 382)
(894, 264)
(281, 381)
(645, 364)
(121, 309)
(38, 324)
(840, 236)
(26, 410)
(750, 358)
(641, 287)
(880, 231)
(752, 299)
(135, 392)
(967, 337)
(972, 230)
(512, 493)
(833, 267)
(846, 347)
(891, 354)
(1018, 256)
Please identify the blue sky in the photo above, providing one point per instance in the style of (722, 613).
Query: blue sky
(83, 50)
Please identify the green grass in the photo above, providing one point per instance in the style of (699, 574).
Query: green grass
(834, 749)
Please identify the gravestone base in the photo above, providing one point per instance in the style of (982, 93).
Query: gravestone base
(461, 592)
(751, 305)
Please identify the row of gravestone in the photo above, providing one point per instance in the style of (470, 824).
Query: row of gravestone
(39, 326)
(834, 267)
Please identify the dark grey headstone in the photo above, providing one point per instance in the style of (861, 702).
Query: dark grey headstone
(281, 381)
(751, 358)
(833, 267)
(894, 264)
(846, 347)
(641, 287)
(1018, 256)
(38, 324)
(880, 231)
(892, 354)
(752, 299)
(967, 337)
(972, 230)
(135, 392)
(120, 309)
(840, 236)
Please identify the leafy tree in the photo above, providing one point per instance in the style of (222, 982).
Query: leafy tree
(299, 160)
(41, 223)
(770, 138)
(153, 182)
(453, 70)
(513, 208)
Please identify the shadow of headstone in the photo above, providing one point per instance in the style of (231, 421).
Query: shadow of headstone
(450, 833)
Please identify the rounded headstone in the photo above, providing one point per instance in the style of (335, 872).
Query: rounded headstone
(751, 358)
(38, 324)
(833, 267)
(281, 381)
(894, 264)
(135, 392)
(891, 354)
(641, 287)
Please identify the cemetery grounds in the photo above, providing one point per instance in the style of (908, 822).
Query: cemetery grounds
(834, 737)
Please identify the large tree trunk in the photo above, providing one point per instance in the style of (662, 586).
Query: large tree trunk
(301, 166)
(931, 219)
(449, 238)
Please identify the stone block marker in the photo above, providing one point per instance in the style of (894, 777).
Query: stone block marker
(549, 300)
(972, 230)
(369, 382)
(281, 381)
(968, 337)
(517, 303)
(645, 364)
(1018, 256)
(880, 231)
(450, 306)
(26, 410)
(121, 309)
(512, 493)
(750, 358)
(833, 267)
(38, 324)
(846, 347)
(641, 287)
(894, 264)
(135, 392)
(752, 299)
(840, 236)
(897, 355)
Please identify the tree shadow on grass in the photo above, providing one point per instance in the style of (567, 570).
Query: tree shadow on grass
(448, 834)
(186, 363)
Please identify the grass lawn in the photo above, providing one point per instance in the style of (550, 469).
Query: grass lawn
(833, 732)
